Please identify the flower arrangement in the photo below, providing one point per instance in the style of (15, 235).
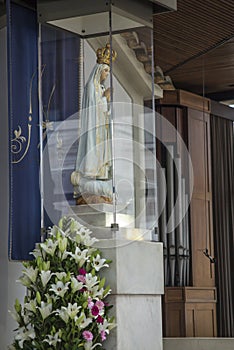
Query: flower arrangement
(64, 307)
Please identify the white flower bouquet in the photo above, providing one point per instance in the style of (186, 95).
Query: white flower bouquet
(64, 307)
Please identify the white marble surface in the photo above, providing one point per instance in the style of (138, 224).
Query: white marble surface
(136, 268)
(123, 236)
(139, 325)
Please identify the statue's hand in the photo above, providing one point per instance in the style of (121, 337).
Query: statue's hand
(107, 94)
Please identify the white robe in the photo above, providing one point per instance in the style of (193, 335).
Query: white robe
(93, 171)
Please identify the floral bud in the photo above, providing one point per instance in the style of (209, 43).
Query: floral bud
(38, 297)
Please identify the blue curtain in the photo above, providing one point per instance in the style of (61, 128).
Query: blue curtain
(60, 52)
(59, 77)
(24, 218)
(59, 59)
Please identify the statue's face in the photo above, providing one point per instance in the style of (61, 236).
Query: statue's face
(104, 74)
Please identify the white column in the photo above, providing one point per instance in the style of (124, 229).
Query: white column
(136, 279)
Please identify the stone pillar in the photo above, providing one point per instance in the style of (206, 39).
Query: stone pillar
(136, 279)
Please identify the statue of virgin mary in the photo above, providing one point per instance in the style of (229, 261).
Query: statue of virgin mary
(93, 171)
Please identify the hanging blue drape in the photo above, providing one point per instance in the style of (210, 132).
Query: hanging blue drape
(59, 60)
(60, 52)
(24, 216)
(59, 56)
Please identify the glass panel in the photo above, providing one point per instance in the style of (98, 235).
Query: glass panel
(97, 110)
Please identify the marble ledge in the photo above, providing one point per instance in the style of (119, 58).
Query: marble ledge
(136, 268)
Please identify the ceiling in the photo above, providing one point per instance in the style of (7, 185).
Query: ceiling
(195, 46)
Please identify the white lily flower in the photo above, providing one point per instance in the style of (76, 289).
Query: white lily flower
(75, 225)
(53, 231)
(99, 263)
(24, 334)
(63, 255)
(45, 309)
(80, 256)
(60, 275)
(24, 280)
(53, 339)
(90, 281)
(59, 288)
(89, 345)
(84, 237)
(36, 253)
(15, 315)
(72, 310)
(31, 306)
(26, 319)
(31, 273)
(82, 234)
(85, 322)
(89, 241)
(63, 314)
(97, 293)
(45, 277)
(51, 298)
(76, 285)
(49, 247)
(106, 326)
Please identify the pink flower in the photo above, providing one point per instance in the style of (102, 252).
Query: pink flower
(90, 303)
(82, 271)
(99, 304)
(81, 278)
(88, 335)
(95, 310)
(103, 335)
(100, 319)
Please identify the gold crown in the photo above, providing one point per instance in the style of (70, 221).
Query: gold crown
(104, 55)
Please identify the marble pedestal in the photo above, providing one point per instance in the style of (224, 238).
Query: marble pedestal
(99, 217)
(136, 279)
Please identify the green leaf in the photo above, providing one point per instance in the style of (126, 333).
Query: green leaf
(18, 306)
(106, 291)
(26, 264)
(79, 320)
(85, 304)
(112, 319)
(102, 282)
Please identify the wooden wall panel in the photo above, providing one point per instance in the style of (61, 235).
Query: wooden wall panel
(190, 313)
(205, 315)
(190, 323)
(175, 325)
(194, 305)
(201, 205)
(201, 238)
